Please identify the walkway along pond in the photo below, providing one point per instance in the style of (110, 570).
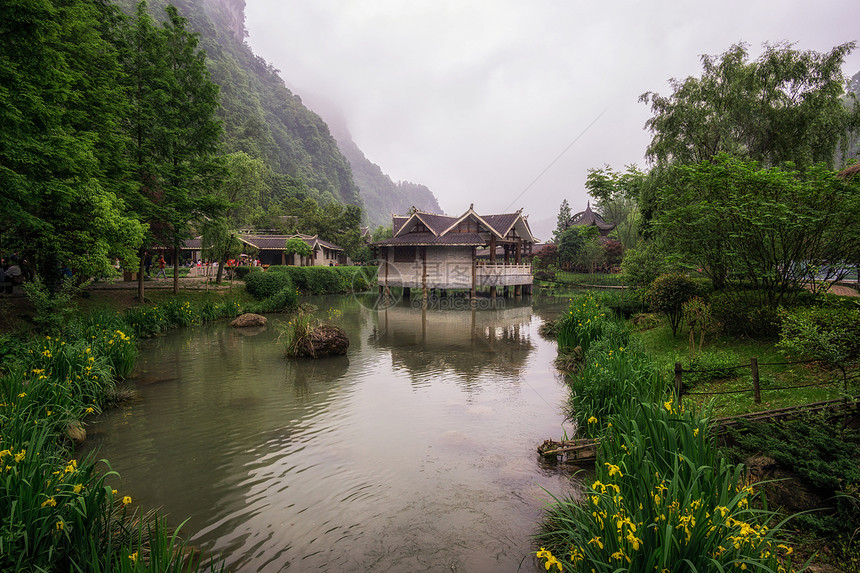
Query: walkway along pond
(415, 452)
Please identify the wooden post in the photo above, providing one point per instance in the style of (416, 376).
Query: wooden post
(424, 277)
(678, 381)
(756, 388)
(474, 294)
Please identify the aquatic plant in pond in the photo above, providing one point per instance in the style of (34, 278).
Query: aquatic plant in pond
(58, 515)
(662, 499)
(295, 333)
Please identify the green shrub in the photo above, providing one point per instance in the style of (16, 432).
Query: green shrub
(711, 365)
(824, 455)
(742, 313)
(668, 293)
(263, 285)
(241, 272)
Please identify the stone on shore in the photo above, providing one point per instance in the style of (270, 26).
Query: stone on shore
(76, 433)
(248, 320)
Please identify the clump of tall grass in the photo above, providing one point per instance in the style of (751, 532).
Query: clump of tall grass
(613, 372)
(58, 514)
(296, 333)
(662, 500)
(583, 323)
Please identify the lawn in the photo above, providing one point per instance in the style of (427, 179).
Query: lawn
(782, 385)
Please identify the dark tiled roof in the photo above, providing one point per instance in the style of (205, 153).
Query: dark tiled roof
(437, 223)
(589, 217)
(278, 242)
(502, 222)
(397, 222)
(418, 239)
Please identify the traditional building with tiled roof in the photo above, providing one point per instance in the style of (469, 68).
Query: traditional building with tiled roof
(589, 217)
(432, 251)
(270, 249)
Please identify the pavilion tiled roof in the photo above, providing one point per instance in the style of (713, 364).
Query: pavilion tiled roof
(441, 229)
(589, 217)
(422, 239)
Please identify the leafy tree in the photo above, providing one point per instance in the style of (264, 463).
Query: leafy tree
(241, 185)
(616, 195)
(668, 294)
(645, 263)
(773, 229)
(296, 246)
(564, 217)
(579, 245)
(783, 107)
(61, 147)
(380, 233)
(173, 126)
(828, 334)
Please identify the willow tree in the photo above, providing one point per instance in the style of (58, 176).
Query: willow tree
(785, 106)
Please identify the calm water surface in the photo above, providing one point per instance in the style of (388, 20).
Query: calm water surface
(415, 452)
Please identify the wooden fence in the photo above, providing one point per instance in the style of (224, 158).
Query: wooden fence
(756, 383)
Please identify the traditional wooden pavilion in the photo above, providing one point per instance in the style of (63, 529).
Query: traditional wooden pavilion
(432, 251)
(270, 249)
(589, 217)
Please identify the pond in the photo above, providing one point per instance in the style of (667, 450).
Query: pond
(415, 452)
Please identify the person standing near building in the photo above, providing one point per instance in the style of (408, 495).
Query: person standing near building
(160, 267)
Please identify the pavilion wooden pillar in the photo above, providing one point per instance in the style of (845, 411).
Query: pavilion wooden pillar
(424, 294)
(518, 289)
(493, 262)
(474, 294)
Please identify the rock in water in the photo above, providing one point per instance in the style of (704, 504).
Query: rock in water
(325, 340)
(76, 433)
(249, 319)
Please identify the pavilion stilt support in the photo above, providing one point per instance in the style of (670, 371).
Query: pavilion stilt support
(492, 292)
(518, 291)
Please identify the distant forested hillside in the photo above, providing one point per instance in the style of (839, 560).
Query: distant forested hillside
(260, 115)
(265, 119)
(381, 195)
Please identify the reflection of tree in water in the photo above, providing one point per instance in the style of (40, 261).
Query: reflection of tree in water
(304, 374)
(470, 343)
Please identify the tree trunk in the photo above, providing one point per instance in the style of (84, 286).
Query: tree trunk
(140, 297)
(175, 270)
(220, 270)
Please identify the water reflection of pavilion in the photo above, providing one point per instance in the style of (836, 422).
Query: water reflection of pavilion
(467, 342)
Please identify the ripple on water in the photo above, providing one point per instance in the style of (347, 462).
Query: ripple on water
(414, 452)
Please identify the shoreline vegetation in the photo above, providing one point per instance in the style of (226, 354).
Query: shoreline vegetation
(58, 512)
(664, 490)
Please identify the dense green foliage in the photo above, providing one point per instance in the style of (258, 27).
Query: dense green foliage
(772, 229)
(327, 280)
(668, 293)
(58, 513)
(829, 334)
(662, 500)
(783, 107)
(61, 151)
(824, 459)
(662, 497)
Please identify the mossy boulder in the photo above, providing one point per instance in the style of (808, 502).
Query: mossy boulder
(324, 340)
(248, 320)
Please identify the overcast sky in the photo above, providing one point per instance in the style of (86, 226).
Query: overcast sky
(478, 99)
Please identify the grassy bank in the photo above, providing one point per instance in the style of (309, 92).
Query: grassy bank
(665, 496)
(58, 513)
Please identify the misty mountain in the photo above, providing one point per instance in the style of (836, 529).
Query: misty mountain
(264, 118)
(380, 194)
